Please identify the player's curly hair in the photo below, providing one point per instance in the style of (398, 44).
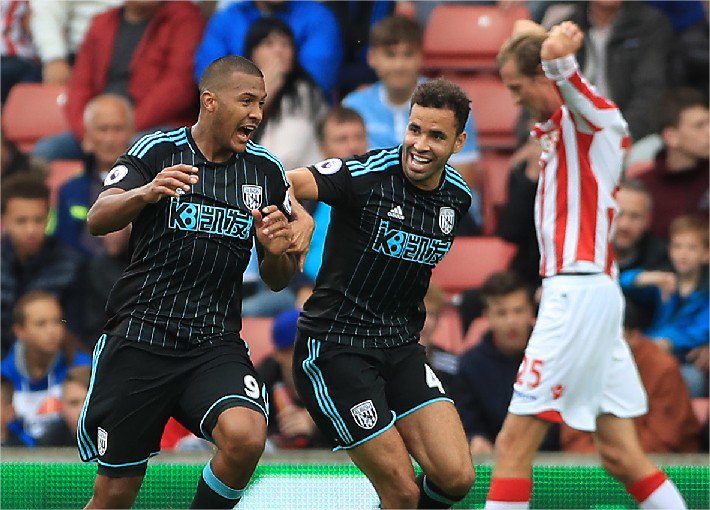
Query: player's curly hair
(442, 93)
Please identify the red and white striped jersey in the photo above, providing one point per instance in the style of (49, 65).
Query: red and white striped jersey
(16, 40)
(583, 148)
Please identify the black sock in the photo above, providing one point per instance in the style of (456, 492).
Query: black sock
(213, 493)
(431, 496)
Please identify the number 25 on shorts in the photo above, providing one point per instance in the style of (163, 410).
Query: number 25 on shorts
(529, 373)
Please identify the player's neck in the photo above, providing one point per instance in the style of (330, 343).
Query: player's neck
(209, 147)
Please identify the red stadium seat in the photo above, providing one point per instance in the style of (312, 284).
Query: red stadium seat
(60, 172)
(496, 170)
(467, 37)
(470, 261)
(448, 334)
(495, 113)
(33, 111)
(256, 331)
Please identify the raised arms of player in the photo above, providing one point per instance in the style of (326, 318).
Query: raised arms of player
(115, 207)
(560, 65)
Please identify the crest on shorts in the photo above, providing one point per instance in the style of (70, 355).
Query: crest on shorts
(103, 441)
(251, 195)
(447, 219)
(365, 414)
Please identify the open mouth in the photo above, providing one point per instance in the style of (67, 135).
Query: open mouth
(418, 162)
(244, 132)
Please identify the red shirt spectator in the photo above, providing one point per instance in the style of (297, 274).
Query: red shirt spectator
(160, 82)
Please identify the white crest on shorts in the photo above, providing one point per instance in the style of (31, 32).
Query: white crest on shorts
(447, 218)
(115, 174)
(103, 441)
(329, 166)
(365, 414)
(252, 196)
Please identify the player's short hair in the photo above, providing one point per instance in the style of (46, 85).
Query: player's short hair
(19, 312)
(690, 224)
(396, 30)
(502, 284)
(218, 71)
(30, 186)
(442, 93)
(339, 115)
(80, 375)
(525, 50)
(675, 102)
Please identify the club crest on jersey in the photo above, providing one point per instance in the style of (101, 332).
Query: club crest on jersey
(102, 440)
(251, 195)
(447, 219)
(365, 414)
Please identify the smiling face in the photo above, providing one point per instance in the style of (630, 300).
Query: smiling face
(238, 107)
(429, 142)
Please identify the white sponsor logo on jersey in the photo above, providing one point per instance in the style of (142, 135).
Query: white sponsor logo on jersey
(329, 166)
(396, 213)
(115, 174)
(365, 414)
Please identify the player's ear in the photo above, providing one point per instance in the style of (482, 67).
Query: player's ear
(460, 141)
(208, 101)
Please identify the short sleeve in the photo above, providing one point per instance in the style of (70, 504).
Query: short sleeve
(334, 181)
(128, 173)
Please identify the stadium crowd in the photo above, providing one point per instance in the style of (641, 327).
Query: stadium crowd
(339, 77)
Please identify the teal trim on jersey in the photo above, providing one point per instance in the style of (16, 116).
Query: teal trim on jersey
(371, 436)
(437, 399)
(435, 495)
(357, 166)
(375, 157)
(260, 150)
(177, 140)
(457, 180)
(381, 168)
(148, 138)
(218, 485)
(326, 404)
(126, 464)
(87, 449)
(239, 397)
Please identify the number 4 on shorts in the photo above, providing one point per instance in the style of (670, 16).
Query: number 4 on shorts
(432, 380)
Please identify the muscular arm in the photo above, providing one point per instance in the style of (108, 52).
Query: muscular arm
(303, 184)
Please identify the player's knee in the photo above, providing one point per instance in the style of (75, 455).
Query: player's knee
(457, 479)
(115, 492)
(241, 439)
(402, 494)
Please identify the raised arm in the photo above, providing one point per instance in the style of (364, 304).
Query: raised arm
(560, 65)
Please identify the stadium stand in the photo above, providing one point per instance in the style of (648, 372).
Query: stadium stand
(60, 172)
(496, 170)
(451, 44)
(33, 111)
(256, 331)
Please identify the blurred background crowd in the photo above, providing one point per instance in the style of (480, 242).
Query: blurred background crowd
(83, 79)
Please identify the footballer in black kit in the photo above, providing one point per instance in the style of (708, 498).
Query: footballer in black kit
(171, 344)
(358, 365)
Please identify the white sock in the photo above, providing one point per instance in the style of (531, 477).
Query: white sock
(666, 496)
(507, 505)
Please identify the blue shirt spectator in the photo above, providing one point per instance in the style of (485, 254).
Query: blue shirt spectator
(314, 27)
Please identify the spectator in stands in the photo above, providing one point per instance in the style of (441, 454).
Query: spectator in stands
(13, 161)
(341, 134)
(102, 272)
(294, 102)
(291, 425)
(58, 28)
(516, 222)
(108, 125)
(12, 433)
(484, 382)
(62, 431)
(670, 426)
(396, 56)
(18, 57)
(678, 178)
(625, 54)
(142, 51)
(680, 299)
(29, 260)
(39, 360)
(355, 19)
(313, 25)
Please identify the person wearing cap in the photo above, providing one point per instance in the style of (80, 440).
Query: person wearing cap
(292, 427)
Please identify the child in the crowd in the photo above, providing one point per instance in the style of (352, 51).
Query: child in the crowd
(39, 360)
(62, 431)
(11, 431)
(680, 298)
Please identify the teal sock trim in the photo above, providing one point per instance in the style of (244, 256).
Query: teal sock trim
(218, 485)
(435, 495)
